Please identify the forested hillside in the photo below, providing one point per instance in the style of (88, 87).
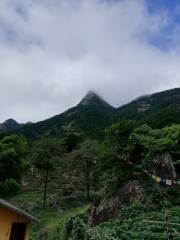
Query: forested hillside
(92, 115)
(157, 110)
(96, 172)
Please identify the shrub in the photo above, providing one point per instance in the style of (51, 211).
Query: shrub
(8, 188)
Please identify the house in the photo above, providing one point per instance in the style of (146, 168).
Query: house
(15, 224)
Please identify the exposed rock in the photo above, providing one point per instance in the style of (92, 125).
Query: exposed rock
(73, 197)
(92, 97)
(177, 168)
(109, 208)
(55, 201)
(163, 166)
(30, 207)
(143, 107)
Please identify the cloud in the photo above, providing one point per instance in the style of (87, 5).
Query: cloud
(52, 52)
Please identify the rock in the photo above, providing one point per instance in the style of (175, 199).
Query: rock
(30, 207)
(163, 166)
(55, 201)
(109, 208)
(43, 235)
(92, 98)
(73, 197)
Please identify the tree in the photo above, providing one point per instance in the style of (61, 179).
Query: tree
(83, 161)
(114, 154)
(150, 142)
(44, 155)
(126, 142)
(71, 141)
(13, 149)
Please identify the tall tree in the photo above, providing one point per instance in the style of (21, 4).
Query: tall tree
(84, 160)
(13, 149)
(44, 154)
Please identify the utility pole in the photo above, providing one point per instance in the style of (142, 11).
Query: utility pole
(45, 185)
(87, 178)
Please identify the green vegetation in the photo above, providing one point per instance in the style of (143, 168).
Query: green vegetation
(52, 222)
(157, 110)
(12, 152)
(90, 120)
(134, 223)
(86, 175)
(126, 142)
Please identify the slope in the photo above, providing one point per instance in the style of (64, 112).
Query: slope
(157, 110)
(90, 117)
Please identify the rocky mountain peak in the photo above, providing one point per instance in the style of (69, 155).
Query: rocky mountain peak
(10, 121)
(92, 97)
(10, 124)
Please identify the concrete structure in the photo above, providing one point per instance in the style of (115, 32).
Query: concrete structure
(15, 224)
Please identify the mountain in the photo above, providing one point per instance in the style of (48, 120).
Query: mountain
(10, 125)
(93, 98)
(157, 110)
(90, 117)
(93, 114)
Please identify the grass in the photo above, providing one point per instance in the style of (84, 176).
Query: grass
(51, 220)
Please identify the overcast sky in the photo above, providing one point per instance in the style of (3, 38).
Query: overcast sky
(53, 51)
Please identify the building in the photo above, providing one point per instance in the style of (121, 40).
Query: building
(15, 224)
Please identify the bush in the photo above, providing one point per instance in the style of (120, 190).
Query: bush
(132, 224)
(9, 188)
(75, 227)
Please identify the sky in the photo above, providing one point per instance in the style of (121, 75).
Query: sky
(53, 51)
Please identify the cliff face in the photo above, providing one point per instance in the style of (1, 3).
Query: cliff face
(130, 192)
(109, 208)
(163, 166)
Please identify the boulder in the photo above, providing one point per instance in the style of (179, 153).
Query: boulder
(55, 201)
(109, 208)
(131, 192)
(163, 166)
(30, 207)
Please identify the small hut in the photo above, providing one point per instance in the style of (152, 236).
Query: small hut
(15, 224)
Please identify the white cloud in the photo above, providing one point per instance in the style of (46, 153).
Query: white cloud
(52, 52)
